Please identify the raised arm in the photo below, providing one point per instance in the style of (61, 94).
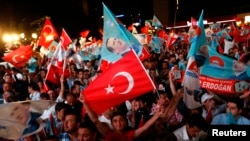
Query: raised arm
(61, 96)
(150, 122)
(102, 128)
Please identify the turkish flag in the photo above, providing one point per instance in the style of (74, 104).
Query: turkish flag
(53, 74)
(124, 80)
(162, 33)
(145, 54)
(48, 34)
(85, 33)
(65, 39)
(19, 57)
(104, 65)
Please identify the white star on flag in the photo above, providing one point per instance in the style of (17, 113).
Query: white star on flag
(109, 89)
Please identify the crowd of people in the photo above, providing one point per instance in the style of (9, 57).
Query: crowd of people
(155, 116)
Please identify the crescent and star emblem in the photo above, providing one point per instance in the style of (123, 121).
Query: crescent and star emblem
(130, 79)
(14, 58)
(49, 29)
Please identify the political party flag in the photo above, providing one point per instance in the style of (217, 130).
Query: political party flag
(124, 80)
(223, 67)
(19, 57)
(199, 39)
(215, 27)
(22, 119)
(156, 44)
(117, 40)
(48, 34)
(156, 22)
(196, 57)
(32, 65)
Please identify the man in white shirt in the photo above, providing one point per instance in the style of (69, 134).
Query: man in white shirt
(192, 130)
(33, 90)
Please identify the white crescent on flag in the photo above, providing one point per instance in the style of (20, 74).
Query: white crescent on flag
(14, 58)
(130, 81)
(50, 28)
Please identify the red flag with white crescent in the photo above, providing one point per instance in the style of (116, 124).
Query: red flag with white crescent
(53, 74)
(19, 57)
(65, 39)
(124, 80)
(145, 54)
(48, 34)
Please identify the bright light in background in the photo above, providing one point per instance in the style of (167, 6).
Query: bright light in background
(247, 19)
(22, 35)
(34, 35)
(10, 37)
(189, 23)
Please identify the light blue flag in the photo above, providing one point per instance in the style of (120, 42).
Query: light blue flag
(156, 22)
(32, 65)
(223, 67)
(223, 33)
(196, 57)
(199, 39)
(156, 44)
(85, 55)
(214, 43)
(117, 40)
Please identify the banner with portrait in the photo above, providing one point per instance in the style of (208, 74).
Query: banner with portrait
(221, 66)
(117, 39)
(22, 119)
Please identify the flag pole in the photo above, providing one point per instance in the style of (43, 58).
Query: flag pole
(177, 7)
(157, 92)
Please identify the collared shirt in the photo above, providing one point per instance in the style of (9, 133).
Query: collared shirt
(35, 96)
(182, 135)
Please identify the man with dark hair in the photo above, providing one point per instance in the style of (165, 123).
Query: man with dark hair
(71, 124)
(195, 123)
(233, 114)
(87, 132)
(33, 90)
(54, 124)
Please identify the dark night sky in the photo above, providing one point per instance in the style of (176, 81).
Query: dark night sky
(71, 15)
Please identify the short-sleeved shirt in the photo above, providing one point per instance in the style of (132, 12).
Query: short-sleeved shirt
(114, 136)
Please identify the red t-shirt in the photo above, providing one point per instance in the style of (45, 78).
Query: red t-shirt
(114, 136)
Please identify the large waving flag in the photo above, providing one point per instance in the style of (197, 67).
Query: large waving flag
(19, 57)
(124, 80)
(117, 39)
(48, 34)
(196, 57)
